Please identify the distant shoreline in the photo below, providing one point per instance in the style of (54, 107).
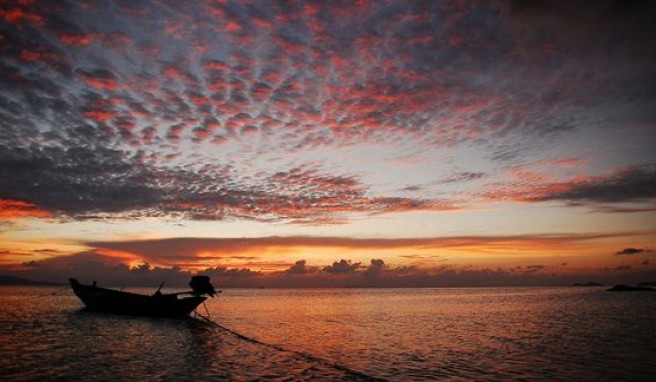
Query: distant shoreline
(19, 281)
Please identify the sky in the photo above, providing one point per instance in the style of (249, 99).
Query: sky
(328, 143)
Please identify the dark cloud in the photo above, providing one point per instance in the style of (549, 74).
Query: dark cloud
(636, 183)
(376, 267)
(463, 177)
(616, 209)
(299, 267)
(76, 180)
(633, 251)
(632, 184)
(419, 256)
(107, 270)
(47, 250)
(86, 181)
(112, 271)
(343, 266)
(534, 268)
(31, 263)
(412, 188)
(612, 11)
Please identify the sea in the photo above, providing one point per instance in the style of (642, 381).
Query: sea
(478, 334)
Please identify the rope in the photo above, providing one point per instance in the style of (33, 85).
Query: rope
(306, 356)
(209, 316)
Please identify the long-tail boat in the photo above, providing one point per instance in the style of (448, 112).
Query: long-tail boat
(158, 304)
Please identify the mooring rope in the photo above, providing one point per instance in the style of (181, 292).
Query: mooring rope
(307, 356)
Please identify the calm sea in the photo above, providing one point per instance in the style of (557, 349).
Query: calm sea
(339, 334)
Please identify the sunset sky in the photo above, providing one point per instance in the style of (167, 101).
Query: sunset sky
(336, 143)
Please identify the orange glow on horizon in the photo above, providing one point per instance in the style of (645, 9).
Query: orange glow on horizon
(259, 255)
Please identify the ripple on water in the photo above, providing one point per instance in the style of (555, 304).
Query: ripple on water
(56, 339)
(479, 334)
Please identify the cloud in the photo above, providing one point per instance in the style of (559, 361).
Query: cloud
(75, 180)
(85, 181)
(629, 184)
(10, 209)
(99, 78)
(216, 111)
(376, 267)
(299, 267)
(633, 251)
(343, 266)
(636, 183)
(534, 268)
(618, 209)
(463, 177)
(112, 271)
(108, 270)
(174, 250)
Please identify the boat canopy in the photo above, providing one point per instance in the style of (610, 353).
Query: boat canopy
(201, 285)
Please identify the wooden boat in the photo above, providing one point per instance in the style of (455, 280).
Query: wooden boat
(158, 304)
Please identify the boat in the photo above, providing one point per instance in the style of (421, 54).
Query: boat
(175, 305)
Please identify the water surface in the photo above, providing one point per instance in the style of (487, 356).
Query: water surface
(329, 334)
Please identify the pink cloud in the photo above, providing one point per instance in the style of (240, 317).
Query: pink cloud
(18, 15)
(78, 39)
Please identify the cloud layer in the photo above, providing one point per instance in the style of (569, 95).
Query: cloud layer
(270, 111)
(110, 271)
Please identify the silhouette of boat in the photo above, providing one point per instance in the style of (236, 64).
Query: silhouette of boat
(158, 304)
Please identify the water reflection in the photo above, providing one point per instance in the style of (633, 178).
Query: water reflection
(55, 338)
(494, 333)
(397, 334)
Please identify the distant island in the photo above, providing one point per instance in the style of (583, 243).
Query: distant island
(13, 280)
(628, 288)
(588, 284)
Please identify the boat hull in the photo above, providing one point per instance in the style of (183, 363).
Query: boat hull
(158, 305)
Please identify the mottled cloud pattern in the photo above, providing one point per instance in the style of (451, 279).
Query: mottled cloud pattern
(266, 110)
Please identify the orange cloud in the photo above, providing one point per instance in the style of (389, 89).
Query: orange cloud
(11, 209)
(477, 249)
